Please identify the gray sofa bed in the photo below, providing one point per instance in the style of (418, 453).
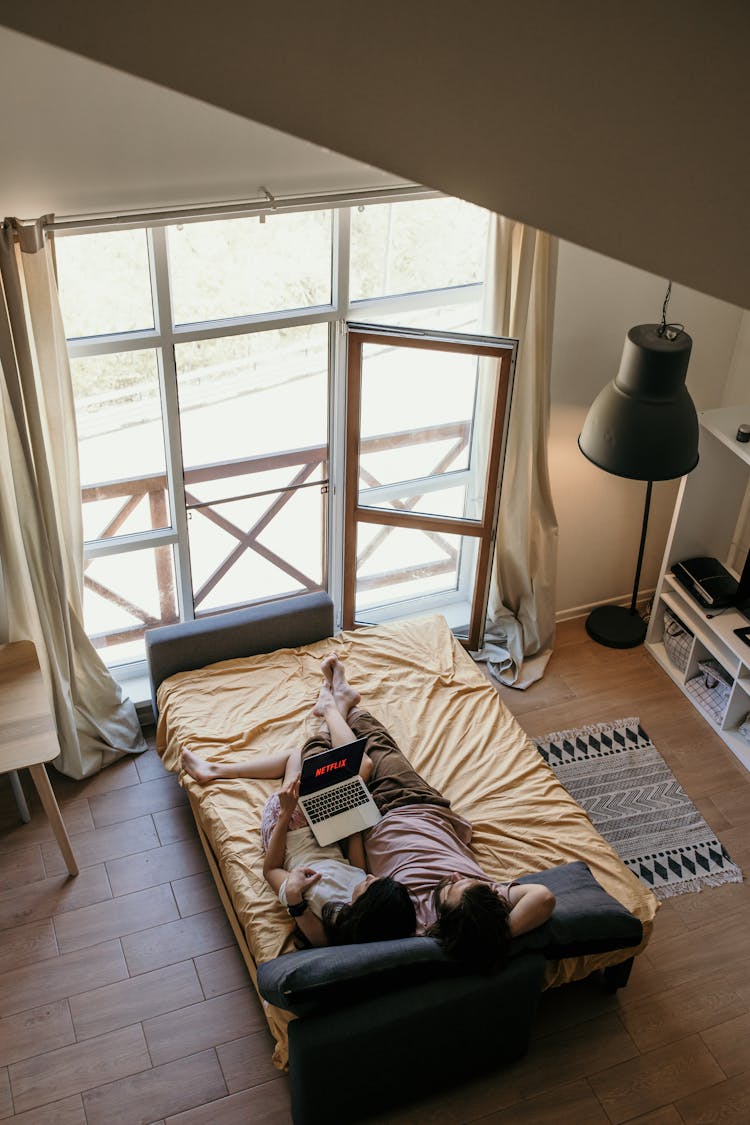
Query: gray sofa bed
(402, 1012)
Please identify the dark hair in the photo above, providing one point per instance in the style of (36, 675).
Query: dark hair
(383, 912)
(476, 930)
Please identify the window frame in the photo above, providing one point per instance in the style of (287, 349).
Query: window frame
(164, 335)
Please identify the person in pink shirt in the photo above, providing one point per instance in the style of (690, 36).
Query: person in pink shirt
(422, 843)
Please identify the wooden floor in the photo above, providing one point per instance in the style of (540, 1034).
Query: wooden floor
(123, 998)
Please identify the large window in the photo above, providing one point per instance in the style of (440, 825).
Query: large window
(208, 379)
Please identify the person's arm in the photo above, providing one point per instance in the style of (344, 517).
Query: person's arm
(300, 878)
(273, 864)
(530, 905)
(297, 882)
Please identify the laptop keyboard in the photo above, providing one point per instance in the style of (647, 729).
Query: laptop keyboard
(325, 805)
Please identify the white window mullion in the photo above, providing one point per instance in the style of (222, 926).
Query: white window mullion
(337, 409)
(171, 417)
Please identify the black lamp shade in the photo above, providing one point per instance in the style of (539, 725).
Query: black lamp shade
(644, 425)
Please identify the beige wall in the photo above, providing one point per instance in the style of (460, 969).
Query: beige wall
(599, 515)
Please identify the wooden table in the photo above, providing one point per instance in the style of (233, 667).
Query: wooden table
(28, 737)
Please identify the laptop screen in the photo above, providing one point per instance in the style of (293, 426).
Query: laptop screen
(331, 766)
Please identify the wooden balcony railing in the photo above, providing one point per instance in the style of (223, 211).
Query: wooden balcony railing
(303, 464)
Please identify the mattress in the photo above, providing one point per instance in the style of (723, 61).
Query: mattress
(450, 722)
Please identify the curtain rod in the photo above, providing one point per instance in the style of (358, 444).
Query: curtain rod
(267, 205)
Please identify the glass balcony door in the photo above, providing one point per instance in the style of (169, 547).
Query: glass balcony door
(426, 422)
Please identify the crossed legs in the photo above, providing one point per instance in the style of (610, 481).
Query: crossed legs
(335, 700)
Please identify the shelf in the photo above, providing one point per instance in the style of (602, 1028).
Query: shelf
(716, 633)
(723, 424)
(715, 712)
(706, 524)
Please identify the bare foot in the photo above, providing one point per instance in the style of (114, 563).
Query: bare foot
(326, 666)
(325, 699)
(344, 694)
(198, 768)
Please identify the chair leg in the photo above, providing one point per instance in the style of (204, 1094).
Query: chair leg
(49, 803)
(17, 790)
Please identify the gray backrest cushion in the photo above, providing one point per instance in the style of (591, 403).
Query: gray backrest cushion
(585, 920)
(288, 623)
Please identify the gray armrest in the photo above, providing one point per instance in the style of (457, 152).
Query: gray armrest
(287, 623)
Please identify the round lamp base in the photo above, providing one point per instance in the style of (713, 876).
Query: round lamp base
(616, 627)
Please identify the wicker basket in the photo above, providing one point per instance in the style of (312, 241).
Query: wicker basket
(677, 640)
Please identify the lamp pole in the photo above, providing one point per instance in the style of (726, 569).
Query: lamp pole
(644, 529)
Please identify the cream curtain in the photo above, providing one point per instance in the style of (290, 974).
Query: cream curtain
(41, 534)
(519, 302)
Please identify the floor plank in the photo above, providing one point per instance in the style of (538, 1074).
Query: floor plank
(189, 1030)
(102, 844)
(25, 944)
(174, 941)
(727, 1103)
(135, 999)
(162, 1090)
(70, 1070)
(68, 1111)
(263, 1105)
(35, 1031)
(148, 797)
(221, 971)
(570, 1103)
(20, 867)
(247, 1062)
(156, 866)
(53, 896)
(656, 1078)
(61, 977)
(128, 914)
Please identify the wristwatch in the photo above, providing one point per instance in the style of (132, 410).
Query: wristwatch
(296, 908)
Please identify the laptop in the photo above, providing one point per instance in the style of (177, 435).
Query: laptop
(333, 797)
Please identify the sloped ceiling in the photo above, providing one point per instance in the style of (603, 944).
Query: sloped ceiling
(621, 127)
(81, 138)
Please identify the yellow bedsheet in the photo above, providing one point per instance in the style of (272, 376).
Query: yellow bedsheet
(450, 722)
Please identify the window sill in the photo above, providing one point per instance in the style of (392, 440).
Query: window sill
(134, 681)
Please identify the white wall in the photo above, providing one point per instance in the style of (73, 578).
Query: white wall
(83, 138)
(737, 389)
(599, 516)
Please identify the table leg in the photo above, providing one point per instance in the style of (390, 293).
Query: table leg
(17, 791)
(52, 809)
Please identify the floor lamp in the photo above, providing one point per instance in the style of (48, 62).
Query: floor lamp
(644, 426)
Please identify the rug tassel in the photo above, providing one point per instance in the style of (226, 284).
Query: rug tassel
(593, 729)
(671, 890)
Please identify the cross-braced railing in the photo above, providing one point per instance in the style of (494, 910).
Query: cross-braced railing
(303, 465)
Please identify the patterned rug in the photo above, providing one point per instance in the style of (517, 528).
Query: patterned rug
(617, 775)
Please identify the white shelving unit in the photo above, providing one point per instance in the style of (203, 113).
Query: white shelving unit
(704, 523)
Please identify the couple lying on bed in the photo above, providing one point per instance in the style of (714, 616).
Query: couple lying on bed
(423, 877)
